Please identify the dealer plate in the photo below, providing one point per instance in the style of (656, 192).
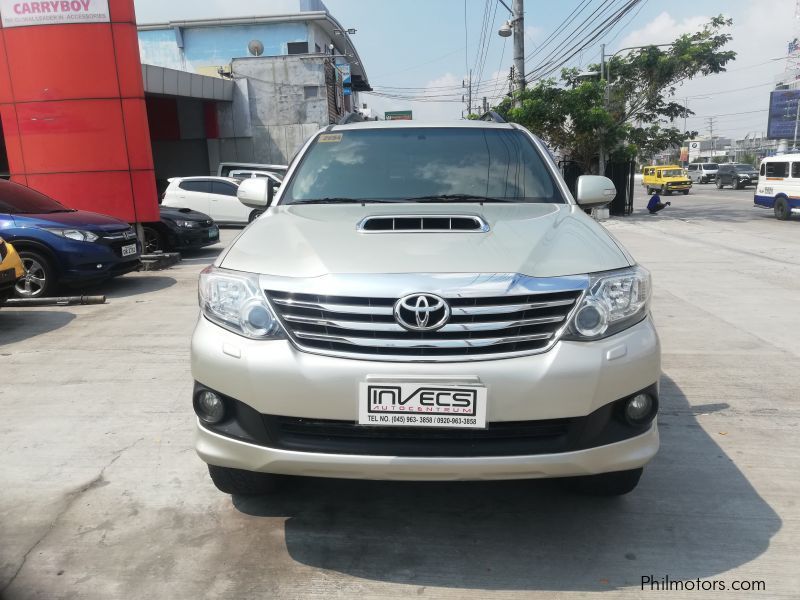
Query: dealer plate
(129, 250)
(410, 404)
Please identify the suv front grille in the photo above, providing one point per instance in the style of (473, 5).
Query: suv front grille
(478, 327)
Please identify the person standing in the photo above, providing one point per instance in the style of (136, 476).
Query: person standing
(656, 205)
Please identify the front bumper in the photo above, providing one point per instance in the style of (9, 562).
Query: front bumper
(573, 379)
(187, 239)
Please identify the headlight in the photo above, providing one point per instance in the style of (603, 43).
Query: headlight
(74, 234)
(187, 224)
(233, 300)
(615, 301)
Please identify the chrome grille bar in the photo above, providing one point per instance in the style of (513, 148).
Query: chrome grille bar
(412, 343)
(449, 328)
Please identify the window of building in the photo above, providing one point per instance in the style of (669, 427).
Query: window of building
(297, 47)
(311, 91)
(777, 169)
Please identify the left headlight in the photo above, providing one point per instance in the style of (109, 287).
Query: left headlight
(615, 301)
(233, 300)
(79, 235)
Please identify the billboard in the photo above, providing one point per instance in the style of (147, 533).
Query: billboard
(53, 12)
(782, 114)
(398, 115)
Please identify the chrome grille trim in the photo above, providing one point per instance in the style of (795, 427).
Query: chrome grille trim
(493, 316)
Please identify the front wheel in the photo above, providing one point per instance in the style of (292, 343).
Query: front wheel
(605, 484)
(254, 215)
(40, 276)
(782, 211)
(153, 241)
(685, 192)
(719, 184)
(244, 483)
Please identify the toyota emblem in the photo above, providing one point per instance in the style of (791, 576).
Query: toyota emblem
(422, 312)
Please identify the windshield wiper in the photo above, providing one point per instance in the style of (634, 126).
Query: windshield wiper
(336, 201)
(457, 198)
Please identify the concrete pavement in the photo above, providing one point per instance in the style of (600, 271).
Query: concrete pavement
(103, 497)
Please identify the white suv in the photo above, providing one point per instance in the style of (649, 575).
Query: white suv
(425, 302)
(214, 196)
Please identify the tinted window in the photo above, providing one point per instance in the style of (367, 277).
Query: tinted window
(19, 200)
(763, 169)
(796, 169)
(196, 185)
(693, 167)
(777, 169)
(711, 166)
(223, 189)
(401, 164)
(744, 168)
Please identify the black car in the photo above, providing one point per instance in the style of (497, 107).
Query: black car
(180, 229)
(736, 175)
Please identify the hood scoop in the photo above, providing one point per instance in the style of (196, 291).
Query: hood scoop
(423, 224)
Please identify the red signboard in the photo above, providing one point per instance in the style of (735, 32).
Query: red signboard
(72, 105)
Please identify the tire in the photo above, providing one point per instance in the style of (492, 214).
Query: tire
(153, 241)
(244, 483)
(737, 186)
(605, 484)
(665, 192)
(782, 211)
(719, 183)
(254, 215)
(685, 192)
(40, 276)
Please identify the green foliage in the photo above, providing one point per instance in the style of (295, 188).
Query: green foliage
(631, 114)
(749, 158)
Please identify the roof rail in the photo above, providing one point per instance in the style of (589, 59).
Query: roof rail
(492, 116)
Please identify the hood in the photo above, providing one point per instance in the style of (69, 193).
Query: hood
(539, 240)
(79, 219)
(186, 214)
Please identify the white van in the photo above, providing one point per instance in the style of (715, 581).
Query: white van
(779, 185)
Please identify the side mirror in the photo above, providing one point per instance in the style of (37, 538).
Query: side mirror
(256, 193)
(595, 190)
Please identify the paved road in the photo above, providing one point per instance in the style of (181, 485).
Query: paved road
(103, 497)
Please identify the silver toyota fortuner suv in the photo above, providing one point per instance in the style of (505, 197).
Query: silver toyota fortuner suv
(425, 302)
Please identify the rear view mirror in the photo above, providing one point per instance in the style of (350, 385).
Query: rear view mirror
(595, 190)
(256, 192)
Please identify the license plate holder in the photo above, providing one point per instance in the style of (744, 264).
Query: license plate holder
(129, 250)
(422, 404)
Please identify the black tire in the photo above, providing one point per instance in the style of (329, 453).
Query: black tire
(254, 215)
(782, 211)
(605, 484)
(244, 483)
(719, 183)
(685, 192)
(737, 185)
(153, 241)
(665, 191)
(40, 276)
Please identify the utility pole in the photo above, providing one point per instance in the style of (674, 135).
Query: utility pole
(518, 16)
(711, 133)
(601, 158)
(469, 94)
(511, 83)
(485, 105)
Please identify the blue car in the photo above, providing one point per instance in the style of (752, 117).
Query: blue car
(59, 245)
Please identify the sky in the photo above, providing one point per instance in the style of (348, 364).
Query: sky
(426, 48)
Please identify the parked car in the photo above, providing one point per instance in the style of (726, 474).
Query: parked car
(247, 174)
(11, 270)
(736, 175)
(213, 196)
(426, 302)
(702, 172)
(180, 229)
(226, 169)
(60, 245)
(779, 185)
(666, 179)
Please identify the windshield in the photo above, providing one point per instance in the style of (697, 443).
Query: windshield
(673, 173)
(20, 200)
(711, 167)
(746, 168)
(422, 164)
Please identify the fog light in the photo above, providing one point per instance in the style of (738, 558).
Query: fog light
(640, 409)
(210, 407)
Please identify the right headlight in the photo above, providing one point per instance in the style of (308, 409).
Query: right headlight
(615, 301)
(233, 300)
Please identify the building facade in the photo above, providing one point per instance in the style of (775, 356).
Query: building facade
(294, 69)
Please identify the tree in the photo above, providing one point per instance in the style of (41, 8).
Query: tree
(630, 115)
